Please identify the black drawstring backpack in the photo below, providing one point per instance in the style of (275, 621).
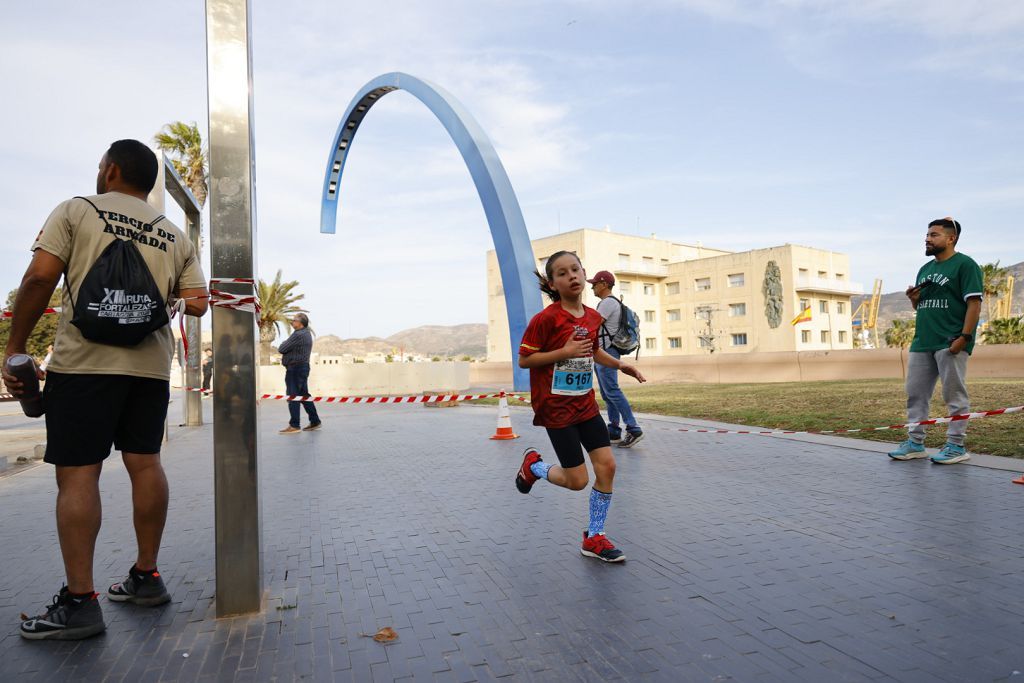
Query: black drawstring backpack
(118, 302)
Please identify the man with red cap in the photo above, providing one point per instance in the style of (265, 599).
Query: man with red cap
(618, 407)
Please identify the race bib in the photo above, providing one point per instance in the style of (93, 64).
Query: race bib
(573, 377)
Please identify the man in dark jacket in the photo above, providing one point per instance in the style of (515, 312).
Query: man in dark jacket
(295, 352)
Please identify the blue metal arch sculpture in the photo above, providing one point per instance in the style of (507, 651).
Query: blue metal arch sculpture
(505, 218)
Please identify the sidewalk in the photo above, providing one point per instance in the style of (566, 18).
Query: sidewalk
(750, 559)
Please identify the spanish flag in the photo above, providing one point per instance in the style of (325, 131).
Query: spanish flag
(804, 317)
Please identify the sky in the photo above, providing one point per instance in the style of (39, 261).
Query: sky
(739, 124)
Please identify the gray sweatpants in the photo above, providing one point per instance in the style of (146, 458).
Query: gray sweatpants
(923, 369)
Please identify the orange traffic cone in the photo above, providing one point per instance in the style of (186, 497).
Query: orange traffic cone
(1019, 480)
(504, 430)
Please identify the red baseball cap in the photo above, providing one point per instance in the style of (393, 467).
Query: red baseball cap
(602, 276)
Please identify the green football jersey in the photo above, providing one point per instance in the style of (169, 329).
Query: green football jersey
(942, 308)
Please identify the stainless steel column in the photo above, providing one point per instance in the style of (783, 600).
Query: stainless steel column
(169, 182)
(175, 186)
(236, 364)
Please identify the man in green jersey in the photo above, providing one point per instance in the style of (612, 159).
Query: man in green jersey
(947, 298)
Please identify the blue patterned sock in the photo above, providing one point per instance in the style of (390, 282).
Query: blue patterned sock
(599, 504)
(540, 469)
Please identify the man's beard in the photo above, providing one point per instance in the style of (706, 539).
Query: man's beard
(932, 251)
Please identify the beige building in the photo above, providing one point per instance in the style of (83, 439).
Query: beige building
(694, 300)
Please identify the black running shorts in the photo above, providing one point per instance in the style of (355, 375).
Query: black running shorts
(87, 414)
(592, 434)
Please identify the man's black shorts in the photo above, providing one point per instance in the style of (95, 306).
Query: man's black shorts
(566, 441)
(87, 414)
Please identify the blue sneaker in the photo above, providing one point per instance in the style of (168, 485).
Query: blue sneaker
(950, 454)
(908, 450)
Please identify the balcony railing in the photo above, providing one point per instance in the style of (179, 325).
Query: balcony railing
(832, 286)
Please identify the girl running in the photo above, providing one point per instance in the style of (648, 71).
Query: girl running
(560, 347)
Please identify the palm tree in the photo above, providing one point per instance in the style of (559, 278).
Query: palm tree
(993, 280)
(277, 305)
(184, 147)
(1005, 331)
(900, 333)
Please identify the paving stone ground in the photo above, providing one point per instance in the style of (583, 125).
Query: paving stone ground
(750, 559)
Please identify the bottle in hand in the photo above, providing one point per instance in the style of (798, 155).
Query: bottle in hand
(24, 368)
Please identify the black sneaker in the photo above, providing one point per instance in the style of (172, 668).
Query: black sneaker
(630, 439)
(66, 618)
(146, 589)
(614, 436)
(600, 547)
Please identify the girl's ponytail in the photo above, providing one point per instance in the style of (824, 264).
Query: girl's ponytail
(545, 286)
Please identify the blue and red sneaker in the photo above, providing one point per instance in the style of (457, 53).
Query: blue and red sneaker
(525, 478)
(600, 547)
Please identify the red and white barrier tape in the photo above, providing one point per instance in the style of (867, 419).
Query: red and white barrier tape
(371, 399)
(239, 280)
(922, 423)
(240, 302)
(248, 303)
(10, 314)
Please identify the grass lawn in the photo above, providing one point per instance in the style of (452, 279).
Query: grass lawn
(816, 406)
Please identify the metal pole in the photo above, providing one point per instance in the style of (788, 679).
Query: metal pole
(169, 182)
(232, 255)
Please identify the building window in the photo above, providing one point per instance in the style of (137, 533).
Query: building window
(824, 336)
(841, 307)
(650, 343)
(736, 280)
(842, 336)
(737, 310)
(673, 315)
(739, 339)
(805, 336)
(649, 317)
(672, 288)
(624, 261)
(703, 342)
(703, 313)
(702, 284)
(823, 306)
(840, 277)
(803, 272)
(648, 289)
(823, 274)
(675, 342)
(625, 288)
(804, 304)
(648, 261)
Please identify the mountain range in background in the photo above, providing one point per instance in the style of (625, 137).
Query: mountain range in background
(895, 305)
(446, 341)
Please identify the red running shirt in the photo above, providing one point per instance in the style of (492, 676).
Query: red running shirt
(549, 331)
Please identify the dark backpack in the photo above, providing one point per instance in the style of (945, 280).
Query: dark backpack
(118, 301)
(627, 337)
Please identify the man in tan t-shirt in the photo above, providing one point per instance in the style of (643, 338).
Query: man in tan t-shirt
(99, 395)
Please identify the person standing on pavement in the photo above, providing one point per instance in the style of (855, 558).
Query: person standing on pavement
(615, 401)
(947, 300)
(295, 352)
(207, 368)
(99, 395)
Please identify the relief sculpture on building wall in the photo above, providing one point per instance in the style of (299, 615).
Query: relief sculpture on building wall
(772, 290)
